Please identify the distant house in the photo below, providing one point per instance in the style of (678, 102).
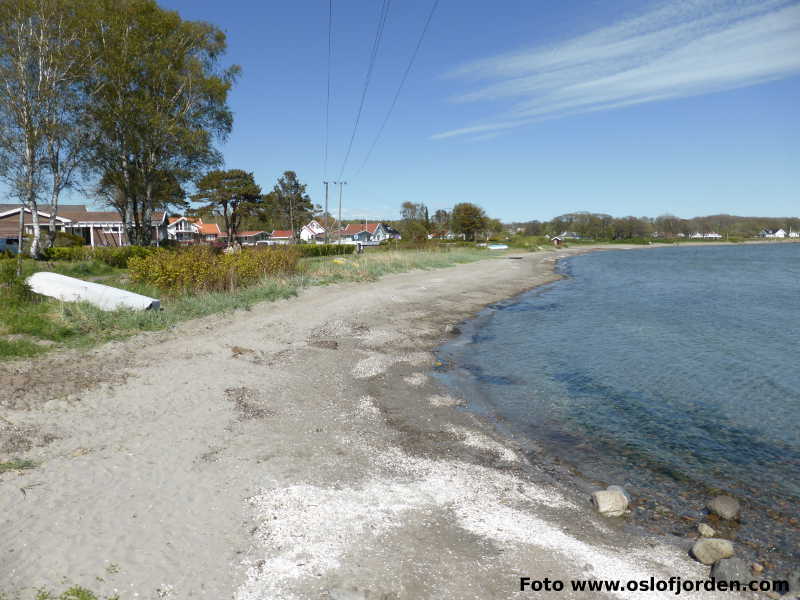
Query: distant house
(188, 230)
(774, 233)
(712, 235)
(210, 232)
(97, 228)
(312, 232)
(794, 234)
(250, 238)
(569, 235)
(281, 236)
(368, 233)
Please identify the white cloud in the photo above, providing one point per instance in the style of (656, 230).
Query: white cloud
(683, 49)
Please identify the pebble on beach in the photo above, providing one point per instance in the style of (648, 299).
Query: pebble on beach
(611, 502)
(731, 569)
(710, 550)
(725, 507)
(706, 530)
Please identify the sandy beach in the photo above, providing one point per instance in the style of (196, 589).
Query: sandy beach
(296, 450)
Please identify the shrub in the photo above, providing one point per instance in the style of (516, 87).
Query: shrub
(112, 256)
(325, 249)
(13, 290)
(203, 269)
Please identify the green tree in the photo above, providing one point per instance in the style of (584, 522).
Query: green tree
(43, 58)
(232, 194)
(288, 204)
(158, 103)
(468, 219)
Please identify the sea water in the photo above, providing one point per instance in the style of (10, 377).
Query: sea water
(674, 371)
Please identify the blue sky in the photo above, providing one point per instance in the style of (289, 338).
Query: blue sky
(528, 108)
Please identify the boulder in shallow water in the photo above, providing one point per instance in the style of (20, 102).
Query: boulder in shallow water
(725, 507)
(731, 569)
(610, 503)
(621, 490)
(706, 530)
(710, 550)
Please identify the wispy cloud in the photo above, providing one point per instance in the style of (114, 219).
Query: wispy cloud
(685, 48)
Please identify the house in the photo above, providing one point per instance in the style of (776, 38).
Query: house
(368, 233)
(773, 233)
(192, 229)
(281, 236)
(251, 238)
(794, 234)
(312, 232)
(569, 235)
(97, 228)
(712, 235)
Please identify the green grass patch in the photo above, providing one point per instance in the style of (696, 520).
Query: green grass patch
(76, 592)
(17, 465)
(19, 349)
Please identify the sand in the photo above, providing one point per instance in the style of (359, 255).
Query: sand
(296, 450)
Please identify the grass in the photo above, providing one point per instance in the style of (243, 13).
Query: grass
(74, 593)
(68, 324)
(17, 465)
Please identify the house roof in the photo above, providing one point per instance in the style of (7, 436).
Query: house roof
(78, 213)
(355, 228)
(209, 228)
(282, 233)
(249, 233)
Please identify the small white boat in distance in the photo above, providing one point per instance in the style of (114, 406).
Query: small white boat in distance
(105, 297)
(497, 247)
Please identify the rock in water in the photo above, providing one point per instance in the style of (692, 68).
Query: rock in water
(731, 569)
(710, 550)
(725, 507)
(611, 503)
(621, 490)
(706, 530)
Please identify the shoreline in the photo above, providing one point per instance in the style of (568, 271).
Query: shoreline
(674, 508)
(297, 450)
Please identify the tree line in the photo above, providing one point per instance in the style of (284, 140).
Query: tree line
(601, 226)
(465, 219)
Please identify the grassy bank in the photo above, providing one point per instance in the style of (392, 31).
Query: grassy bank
(33, 327)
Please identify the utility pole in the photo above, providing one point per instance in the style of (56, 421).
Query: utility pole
(327, 219)
(341, 187)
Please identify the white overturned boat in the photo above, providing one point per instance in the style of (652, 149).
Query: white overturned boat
(105, 297)
(497, 246)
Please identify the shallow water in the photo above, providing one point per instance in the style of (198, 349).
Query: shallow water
(675, 371)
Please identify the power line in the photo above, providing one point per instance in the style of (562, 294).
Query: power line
(400, 87)
(328, 100)
(373, 55)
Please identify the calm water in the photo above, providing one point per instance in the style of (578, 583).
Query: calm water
(671, 370)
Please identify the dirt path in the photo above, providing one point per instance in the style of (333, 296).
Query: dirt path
(298, 450)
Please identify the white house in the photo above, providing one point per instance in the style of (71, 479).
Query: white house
(368, 233)
(794, 234)
(312, 232)
(190, 229)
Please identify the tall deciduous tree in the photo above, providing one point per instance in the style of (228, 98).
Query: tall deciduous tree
(468, 219)
(159, 102)
(233, 194)
(43, 59)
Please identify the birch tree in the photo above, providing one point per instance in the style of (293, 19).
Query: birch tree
(160, 104)
(41, 62)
